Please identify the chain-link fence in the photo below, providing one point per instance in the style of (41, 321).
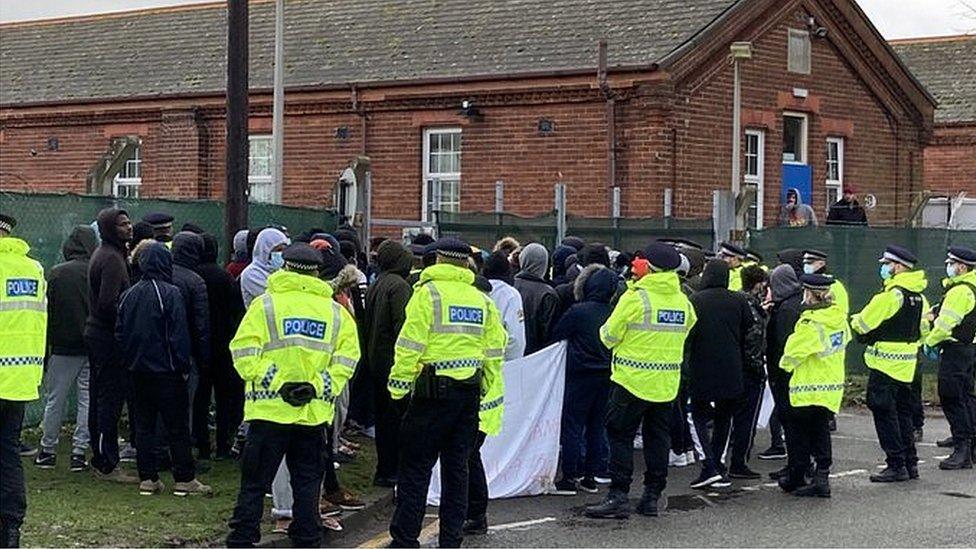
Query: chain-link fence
(46, 220)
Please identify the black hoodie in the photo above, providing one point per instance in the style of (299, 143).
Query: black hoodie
(152, 329)
(187, 251)
(224, 300)
(716, 343)
(67, 294)
(386, 305)
(108, 277)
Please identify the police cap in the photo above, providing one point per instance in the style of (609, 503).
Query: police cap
(961, 254)
(899, 254)
(729, 249)
(816, 281)
(452, 247)
(7, 223)
(662, 257)
(159, 220)
(302, 257)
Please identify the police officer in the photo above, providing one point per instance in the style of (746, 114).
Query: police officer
(815, 262)
(162, 224)
(23, 323)
(754, 258)
(814, 355)
(735, 257)
(448, 359)
(646, 333)
(892, 326)
(954, 332)
(295, 350)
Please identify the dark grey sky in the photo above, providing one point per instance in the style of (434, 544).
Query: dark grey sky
(895, 18)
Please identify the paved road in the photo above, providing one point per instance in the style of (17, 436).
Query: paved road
(937, 510)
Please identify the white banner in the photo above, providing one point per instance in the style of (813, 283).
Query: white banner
(522, 460)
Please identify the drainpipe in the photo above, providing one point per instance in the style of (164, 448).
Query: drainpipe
(357, 108)
(601, 76)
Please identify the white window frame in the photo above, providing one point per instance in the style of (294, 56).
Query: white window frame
(433, 182)
(806, 64)
(759, 178)
(132, 184)
(805, 138)
(263, 180)
(835, 187)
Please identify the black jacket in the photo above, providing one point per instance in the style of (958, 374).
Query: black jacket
(151, 330)
(754, 353)
(108, 277)
(386, 306)
(540, 302)
(844, 212)
(782, 321)
(187, 251)
(67, 294)
(226, 307)
(580, 326)
(716, 343)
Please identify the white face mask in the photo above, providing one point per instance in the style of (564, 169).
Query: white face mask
(950, 270)
(808, 269)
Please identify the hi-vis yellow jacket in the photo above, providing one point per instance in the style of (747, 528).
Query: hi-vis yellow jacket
(841, 298)
(23, 321)
(958, 303)
(814, 353)
(735, 278)
(455, 329)
(897, 359)
(647, 332)
(294, 332)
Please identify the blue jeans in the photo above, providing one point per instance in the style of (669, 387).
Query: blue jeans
(586, 450)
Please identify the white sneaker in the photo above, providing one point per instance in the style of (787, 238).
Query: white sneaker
(691, 457)
(639, 442)
(677, 460)
(602, 480)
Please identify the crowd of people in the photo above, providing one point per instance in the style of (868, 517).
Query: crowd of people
(299, 341)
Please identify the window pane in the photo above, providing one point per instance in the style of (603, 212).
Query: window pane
(792, 139)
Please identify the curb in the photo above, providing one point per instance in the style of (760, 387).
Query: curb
(376, 504)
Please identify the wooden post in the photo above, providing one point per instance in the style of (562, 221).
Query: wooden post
(236, 191)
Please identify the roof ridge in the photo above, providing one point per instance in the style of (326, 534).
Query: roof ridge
(205, 4)
(932, 39)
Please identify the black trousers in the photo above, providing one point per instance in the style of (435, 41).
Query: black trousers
(477, 481)
(13, 496)
(890, 402)
(109, 388)
(200, 426)
(744, 421)
(918, 408)
(779, 386)
(681, 440)
(625, 414)
(389, 415)
(811, 438)
(435, 428)
(330, 482)
(713, 423)
(229, 400)
(163, 396)
(362, 405)
(956, 389)
(302, 447)
(583, 436)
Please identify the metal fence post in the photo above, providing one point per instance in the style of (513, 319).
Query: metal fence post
(499, 208)
(668, 207)
(615, 221)
(560, 212)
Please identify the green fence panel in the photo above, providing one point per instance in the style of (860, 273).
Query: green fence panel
(484, 229)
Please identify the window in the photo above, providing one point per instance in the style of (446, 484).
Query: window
(754, 175)
(835, 169)
(260, 161)
(129, 179)
(798, 56)
(442, 172)
(794, 138)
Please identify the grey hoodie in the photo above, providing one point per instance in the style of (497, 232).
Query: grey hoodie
(534, 260)
(539, 299)
(797, 215)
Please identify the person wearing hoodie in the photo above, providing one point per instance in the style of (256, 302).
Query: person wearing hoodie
(498, 271)
(240, 259)
(755, 285)
(538, 297)
(67, 306)
(226, 311)
(787, 296)
(265, 260)
(153, 336)
(716, 364)
(386, 304)
(560, 258)
(591, 254)
(583, 438)
(814, 355)
(893, 326)
(108, 277)
(795, 213)
(187, 252)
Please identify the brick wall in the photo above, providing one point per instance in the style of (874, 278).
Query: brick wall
(950, 160)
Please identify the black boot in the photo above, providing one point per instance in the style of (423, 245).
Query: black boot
(820, 487)
(780, 473)
(475, 526)
(792, 480)
(10, 537)
(652, 503)
(912, 470)
(946, 443)
(892, 474)
(615, 506)
(961, 458)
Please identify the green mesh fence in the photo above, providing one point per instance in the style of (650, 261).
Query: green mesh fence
(484, 229)
(46, 220)
(853, 254)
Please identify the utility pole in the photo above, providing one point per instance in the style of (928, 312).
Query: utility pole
(278, 111)
(236, 189)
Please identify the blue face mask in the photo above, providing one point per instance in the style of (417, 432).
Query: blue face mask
(277, 260)
(886, 273)
(808, 269)
(950, 270)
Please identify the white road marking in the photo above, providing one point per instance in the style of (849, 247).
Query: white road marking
(521, 524)
(771, 485)
(850, 473)
(942, 457)
(749, 488)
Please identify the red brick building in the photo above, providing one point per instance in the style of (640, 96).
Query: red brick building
(823, 96)
(947, 68)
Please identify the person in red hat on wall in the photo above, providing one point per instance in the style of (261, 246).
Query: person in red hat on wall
(847, 210)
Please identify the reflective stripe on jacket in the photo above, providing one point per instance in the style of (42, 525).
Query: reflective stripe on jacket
(23, 321)
(814, 353)
(959, 301)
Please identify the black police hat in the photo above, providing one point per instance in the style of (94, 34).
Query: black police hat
(7, 223)
(681, 243)
(662, 257)
(452, 247)
(731, 250)
(302, 257)
(961, 254)
(899, 254)
(753, 255)
(158, 220)
(816, 281)
(814, 255)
